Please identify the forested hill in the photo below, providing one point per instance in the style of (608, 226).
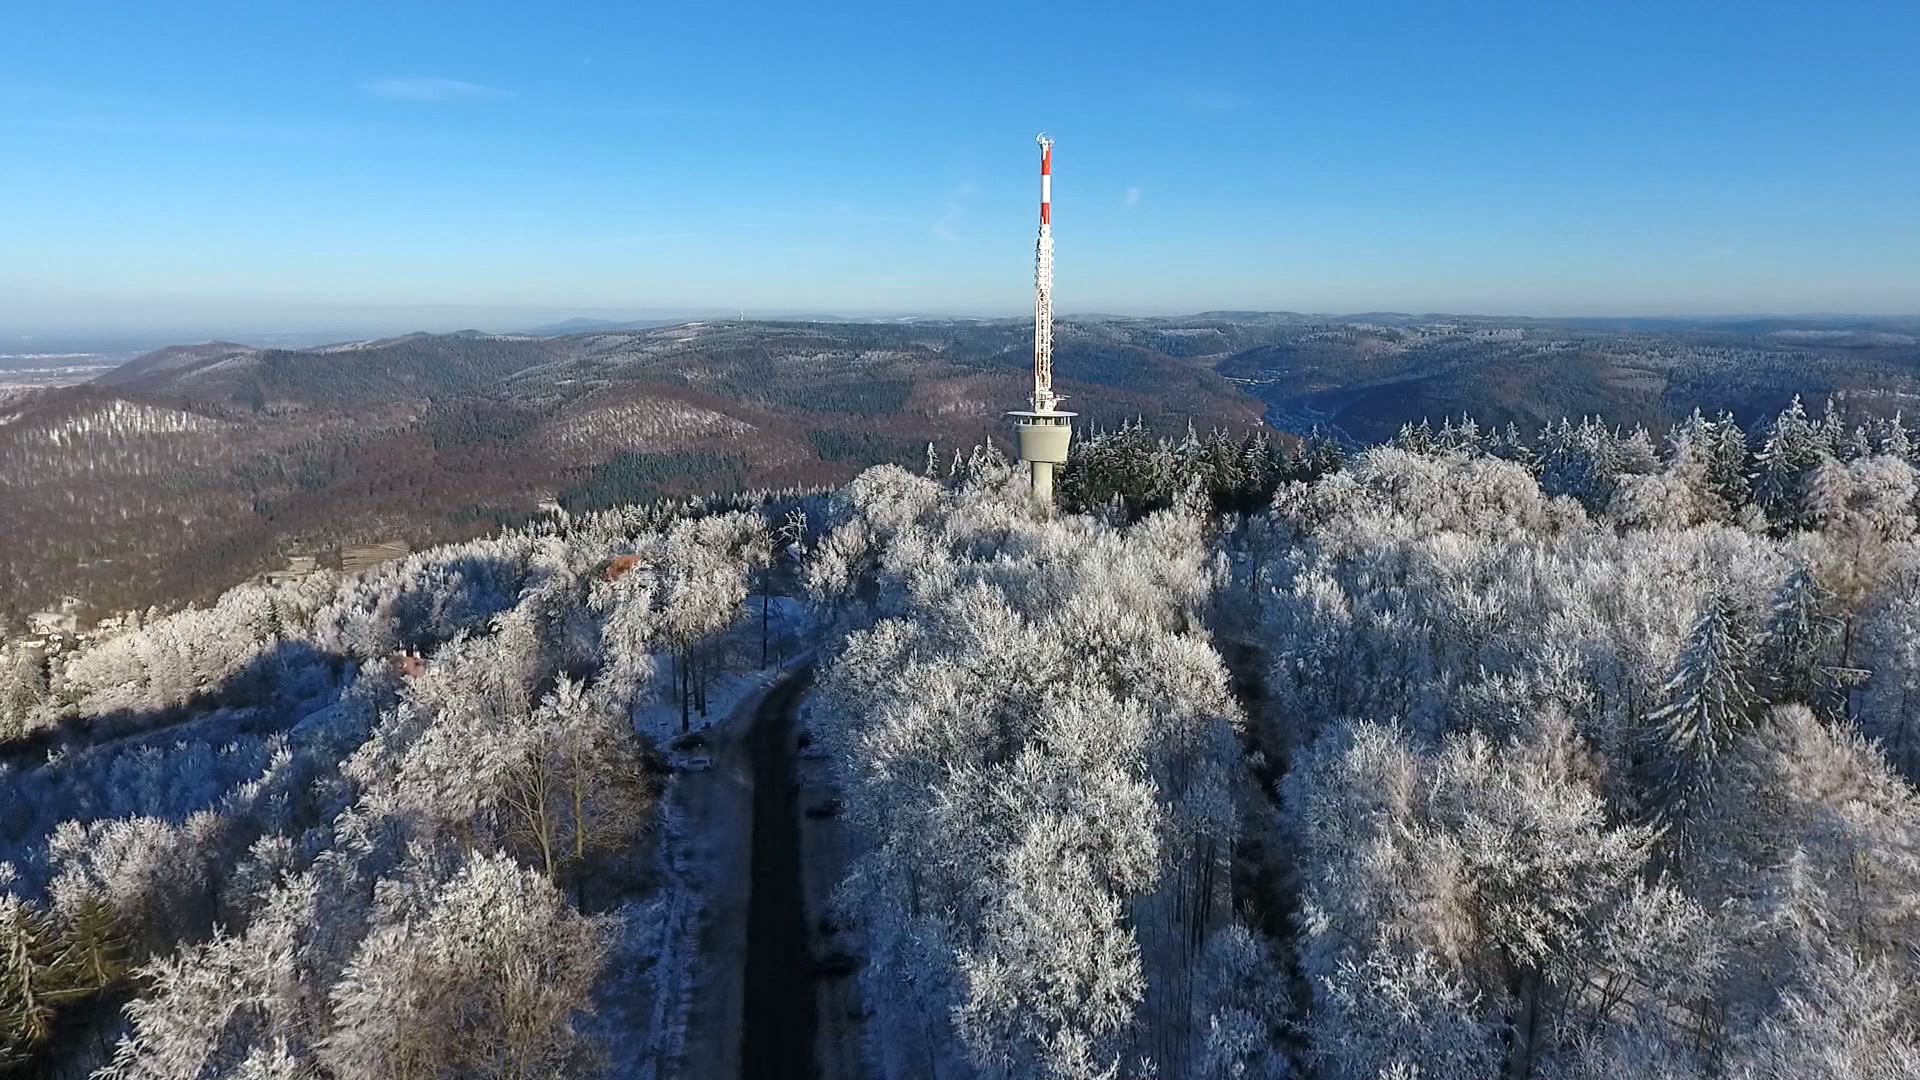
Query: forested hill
(190, 469)
(1461, 756)
(1359, 379)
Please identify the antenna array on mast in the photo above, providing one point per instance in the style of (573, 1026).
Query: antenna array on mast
(1044, 433)
(1043, 397)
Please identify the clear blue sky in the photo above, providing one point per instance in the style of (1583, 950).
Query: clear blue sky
(269, 165)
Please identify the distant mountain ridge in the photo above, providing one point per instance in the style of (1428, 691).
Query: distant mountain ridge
(424, 366)
(585, 325)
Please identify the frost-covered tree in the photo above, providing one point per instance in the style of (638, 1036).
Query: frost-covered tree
(1037, 746)
(1788, 455)
(1657, 501)
(1889, 700)
(1893, 439)
(1727, 461)
(1479, 887)
(1801, 651)
(1394, 1015)
(23, 692)
(152, 874)
(1849, 1019)
(1831, 837)
(702, 585)
(1708, 460)
(1708, 702)
(1587, 461)
(482, 978)
(1245, 1007)
(574, 787)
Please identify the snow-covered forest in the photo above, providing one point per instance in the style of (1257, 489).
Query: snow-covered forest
(1579, 755)
(405, 825)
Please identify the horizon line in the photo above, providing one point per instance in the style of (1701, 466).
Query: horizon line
(672, 316)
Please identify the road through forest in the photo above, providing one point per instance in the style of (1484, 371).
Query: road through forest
(777, 1038)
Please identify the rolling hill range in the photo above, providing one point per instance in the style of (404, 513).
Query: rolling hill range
(193, 467)
(1361, 380)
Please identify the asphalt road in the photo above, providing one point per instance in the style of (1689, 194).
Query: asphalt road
(777, 1040)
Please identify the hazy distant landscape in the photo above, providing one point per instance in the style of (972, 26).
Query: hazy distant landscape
(24, 371)
(187, 469)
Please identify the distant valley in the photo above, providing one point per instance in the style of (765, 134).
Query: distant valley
(41, 370)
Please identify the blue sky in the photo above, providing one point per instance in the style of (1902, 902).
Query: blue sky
(263, 166)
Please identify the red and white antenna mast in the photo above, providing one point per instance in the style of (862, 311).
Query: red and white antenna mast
(1043, 399)
(1043, 434)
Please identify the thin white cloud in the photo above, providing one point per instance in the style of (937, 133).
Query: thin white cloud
(1132, 197)
(429, 88)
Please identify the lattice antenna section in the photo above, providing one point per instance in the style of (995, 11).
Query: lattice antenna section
(1043, 396)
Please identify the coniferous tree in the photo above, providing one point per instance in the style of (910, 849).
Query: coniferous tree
(31, 984)
(1787, 457)
(1414, 438)
(1463, 439)
(1260, 465)
(1708, 702)
(48, 963)
(1858, 445)
(1895, 440)
(1583, 462)
(1509, 445)
(1635, 454)
(1727, 467)
(1802, 643)
(1831, 432)
(1320, 456)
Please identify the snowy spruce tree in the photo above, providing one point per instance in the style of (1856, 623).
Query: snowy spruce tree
(1709, 702)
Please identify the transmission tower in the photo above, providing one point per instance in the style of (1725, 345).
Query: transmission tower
(1044, 431)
